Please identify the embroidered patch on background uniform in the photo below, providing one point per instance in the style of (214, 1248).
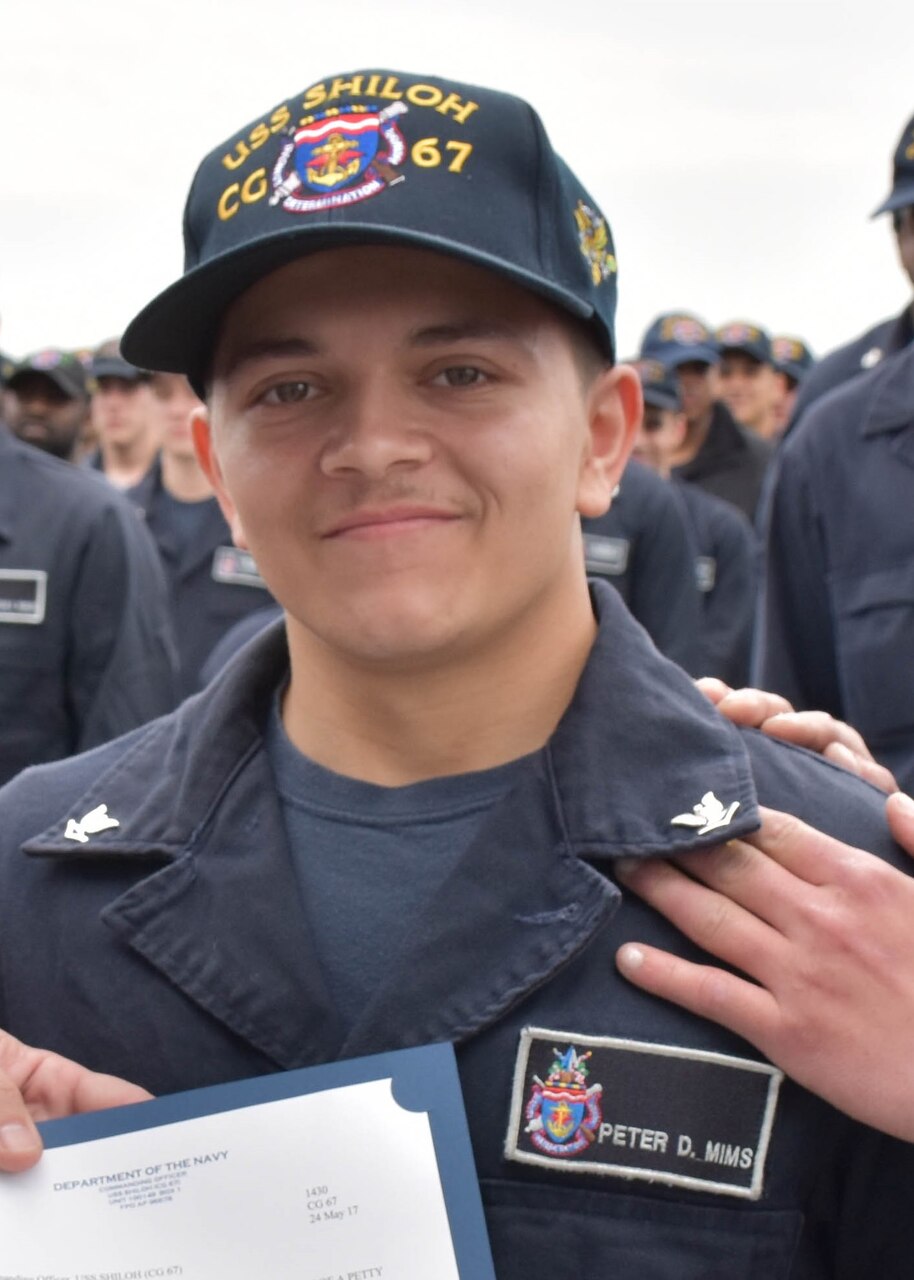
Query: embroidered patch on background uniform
(654, 1112)
(605, 555)
(23, 595)
(232, 565)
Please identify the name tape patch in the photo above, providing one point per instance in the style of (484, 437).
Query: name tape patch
(654, 1112)
(237, 567)
(605, 555)
(23, 595)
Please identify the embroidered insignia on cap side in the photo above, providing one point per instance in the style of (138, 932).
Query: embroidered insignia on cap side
(593, 236)
(95, 820)
(707, 815)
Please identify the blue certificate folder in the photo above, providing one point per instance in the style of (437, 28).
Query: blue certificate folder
(423, 1079)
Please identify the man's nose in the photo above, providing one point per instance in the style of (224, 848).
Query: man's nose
(375, 431)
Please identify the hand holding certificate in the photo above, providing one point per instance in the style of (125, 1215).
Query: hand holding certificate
(357, 1171)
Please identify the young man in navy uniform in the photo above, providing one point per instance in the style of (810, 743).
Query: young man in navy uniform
(889, 336)
(410, 405)
(724, 544)
(212, 584)
(836, 619)
(718, 454)
(86, 645)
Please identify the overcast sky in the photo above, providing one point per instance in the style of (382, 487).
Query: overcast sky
(737, 148)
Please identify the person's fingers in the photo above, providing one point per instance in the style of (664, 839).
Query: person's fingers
(713, 689)
(752, 707)
(900, 813)
(20, 1144)
(96, 1092)
(712, 920)
(809, 854)
(816, 730)
(746, 1009)
(742, 872)
(875, 774)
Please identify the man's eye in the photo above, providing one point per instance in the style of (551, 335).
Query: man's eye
(288, 393)
(461, 375)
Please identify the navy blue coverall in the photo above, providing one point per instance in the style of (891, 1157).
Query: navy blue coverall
(86, 646)
(174, 950)
(836, 626)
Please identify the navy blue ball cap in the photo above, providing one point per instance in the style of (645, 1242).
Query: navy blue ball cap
(658, 383)
(902, 193)
(381, 157)
(678, 337)
(63, 368)
(791, 356)
(741, 335)
(108, 362)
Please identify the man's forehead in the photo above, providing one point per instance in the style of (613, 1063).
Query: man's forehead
(414, 297)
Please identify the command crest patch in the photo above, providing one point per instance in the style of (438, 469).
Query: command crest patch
(339, 157)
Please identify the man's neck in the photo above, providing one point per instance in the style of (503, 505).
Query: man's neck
(183, 479)
(696, 435)
(125, 465)
(468, 713)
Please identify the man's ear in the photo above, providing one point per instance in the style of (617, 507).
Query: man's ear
(202, 432)
(614, 408)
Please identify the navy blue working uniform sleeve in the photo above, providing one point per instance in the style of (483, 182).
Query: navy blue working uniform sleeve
(121, 662)
(664, 593)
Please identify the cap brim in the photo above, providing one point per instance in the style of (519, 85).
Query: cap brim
(899, 198)
(60, 381)
(177, 331)
(691, 355)
(112, 367)
(659, 400)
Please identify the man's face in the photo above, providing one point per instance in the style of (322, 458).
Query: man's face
(903, 222)
(404, 442)
(697, 388)
(121, 411)
(660, 437)
(172, 404)
(43, 415)
(748, 388)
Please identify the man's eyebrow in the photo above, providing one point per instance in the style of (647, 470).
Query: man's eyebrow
(456, 331)
(266, 348)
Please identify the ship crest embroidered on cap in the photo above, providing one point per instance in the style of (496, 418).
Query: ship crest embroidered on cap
(683, 329)
(738, 332)
(563, 1111)
(593, 237)
(786, 349)
(339, 157)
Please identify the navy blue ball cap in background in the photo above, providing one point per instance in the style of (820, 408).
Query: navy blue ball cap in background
(108, 362)
(792, 357)
(63, 368)
(678, 337)
(741, 335)
(658, 383)
(902, 193)
(381, 157)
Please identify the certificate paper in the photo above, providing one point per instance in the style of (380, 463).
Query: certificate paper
(361, 1170)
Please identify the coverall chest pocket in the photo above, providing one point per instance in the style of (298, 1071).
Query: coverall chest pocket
(874, 630)
(538, 1230)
